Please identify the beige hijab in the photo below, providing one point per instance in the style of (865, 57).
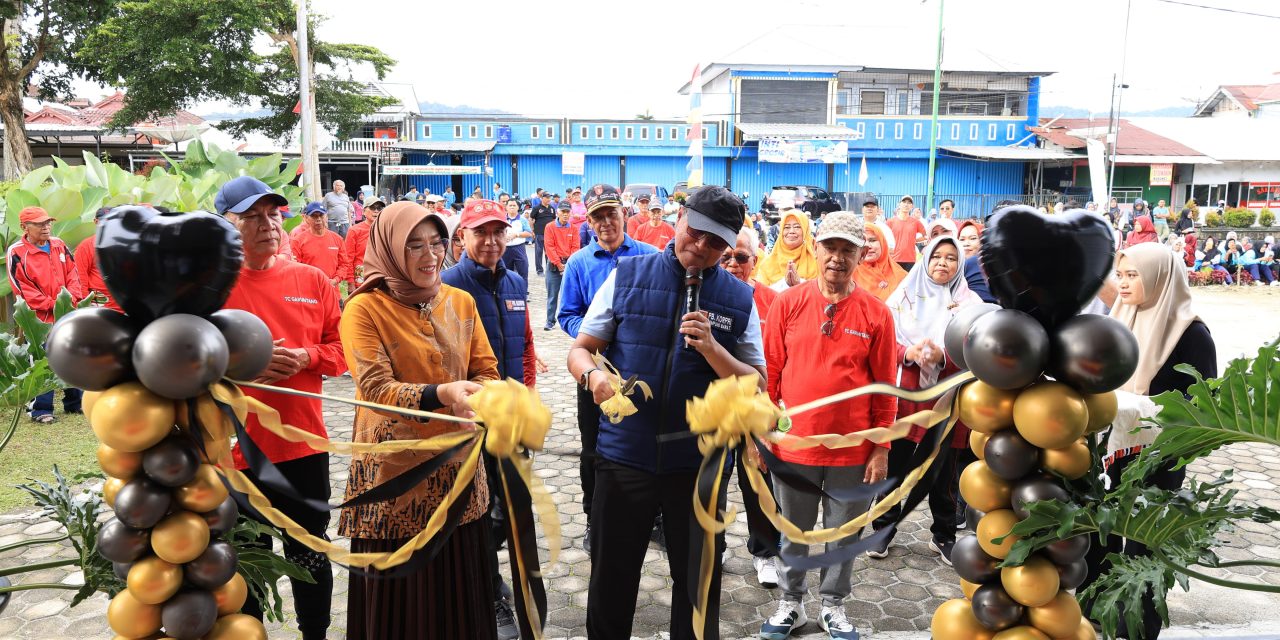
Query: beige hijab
(1163, 317)
(384, 261)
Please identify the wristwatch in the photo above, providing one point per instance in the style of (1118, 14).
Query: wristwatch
(586, 377)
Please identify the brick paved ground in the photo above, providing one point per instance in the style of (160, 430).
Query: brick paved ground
(897, 594)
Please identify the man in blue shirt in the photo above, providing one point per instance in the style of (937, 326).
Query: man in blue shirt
(583, 275)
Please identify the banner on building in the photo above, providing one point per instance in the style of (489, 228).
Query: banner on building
(1161, 175)
(429, 170)
(804, 151)
(573, 163)
(1097, 151)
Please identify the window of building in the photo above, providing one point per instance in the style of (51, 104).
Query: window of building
(613, 133)
(533, 131)
(471, 131)
(426, 131)
(872, 102)
(844, 102)
(457, 131)
(488, 131)
(630, 133)
(582, 132)
(551, 132)
(658, 133)
(674, 134)
(705, 133)
(904, 102)
(599, 133)
(644, 133)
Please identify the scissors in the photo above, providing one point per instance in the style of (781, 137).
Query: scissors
(629, 385)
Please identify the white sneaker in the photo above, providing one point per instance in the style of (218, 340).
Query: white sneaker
(836, 624)
(1275, 283)
(787, 618)
(766, 572)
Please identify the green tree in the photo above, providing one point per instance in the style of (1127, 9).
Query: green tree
(40, 41)
(241, 51)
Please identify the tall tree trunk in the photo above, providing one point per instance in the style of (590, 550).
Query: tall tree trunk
(17, 152)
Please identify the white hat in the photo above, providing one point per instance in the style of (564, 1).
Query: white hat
(845, 225)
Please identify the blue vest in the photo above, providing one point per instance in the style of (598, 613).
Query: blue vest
(649, 299)
(501, 300)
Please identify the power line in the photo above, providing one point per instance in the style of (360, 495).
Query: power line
(1222, 9)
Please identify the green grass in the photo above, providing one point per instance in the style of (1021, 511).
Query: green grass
(35, 448)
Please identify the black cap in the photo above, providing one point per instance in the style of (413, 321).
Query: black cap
(714, 209)
(871, 200)
(602, 195)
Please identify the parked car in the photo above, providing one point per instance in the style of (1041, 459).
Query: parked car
(821, 200)
(652, 190)
(680, 186)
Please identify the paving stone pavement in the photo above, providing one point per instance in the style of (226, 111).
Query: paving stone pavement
(893, 597)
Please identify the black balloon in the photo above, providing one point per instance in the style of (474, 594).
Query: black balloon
(958, 328)
(222, 519)
(1094, 354)
(141, 503)
(1072, 575)
(1006, 349)
(89, 348)
(189, 615)
(1009, 455)
(1034, 490)
(1047, 266)
(1069, 550)
(972, 516)
(213, 568)
(121, 569)
(248, 342)
(179, 356)
(118, 542)
(171, 463)
(156, 263)
(972, 563)
(995, 609)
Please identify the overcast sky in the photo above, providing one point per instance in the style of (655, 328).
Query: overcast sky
(616, 59)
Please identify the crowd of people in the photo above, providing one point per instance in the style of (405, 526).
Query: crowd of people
(422, 303)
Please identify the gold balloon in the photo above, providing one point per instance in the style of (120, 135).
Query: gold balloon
(994, 525)
(1072, 461)
(87, 400)
(211, 418)
(1021, 633)
(237, 626)
(109, 490)
(1034, 584)
(1060, 618)
(985, 408)
(180, 538)
(1083, 632)
(119, 464)
(231, 596)
(983, 489)
(204, 493)
(130, 418)
(978, 444)
(152, 580)
(968, 588)
(1050, 415)
(130, 618)
(1102, 412)
(954, 620)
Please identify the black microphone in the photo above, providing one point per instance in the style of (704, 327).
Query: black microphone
(692, 285)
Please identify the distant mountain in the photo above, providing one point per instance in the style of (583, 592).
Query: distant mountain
(438, 108)
(1076, 112)
(216, 116)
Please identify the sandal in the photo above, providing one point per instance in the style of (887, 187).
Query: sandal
(44, 419)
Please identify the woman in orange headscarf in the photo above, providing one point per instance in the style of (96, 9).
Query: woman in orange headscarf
(877, 274)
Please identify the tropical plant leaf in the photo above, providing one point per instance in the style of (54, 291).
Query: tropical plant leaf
(95, 174)
(262, 568)
(78, 513)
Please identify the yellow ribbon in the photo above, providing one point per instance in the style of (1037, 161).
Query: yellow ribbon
(513, 417)
(733, 410)
(710, 527)
(618, 406)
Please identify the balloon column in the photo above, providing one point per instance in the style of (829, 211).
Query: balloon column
(1027, 430)
(147, 377)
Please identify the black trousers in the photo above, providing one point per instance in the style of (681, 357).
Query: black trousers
(589, 429)
(1166, 478)
(943, 491)
(626, 502)
(762, 538)
(538, 251)
(311, 602)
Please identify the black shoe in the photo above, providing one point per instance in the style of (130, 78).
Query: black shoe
(506, 620)
(881, 550)
(943, 549)
(548, 327)
(657, 535)
(586, 540)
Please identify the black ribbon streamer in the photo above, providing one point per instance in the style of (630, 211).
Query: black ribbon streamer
(796, 480)
(522, 535)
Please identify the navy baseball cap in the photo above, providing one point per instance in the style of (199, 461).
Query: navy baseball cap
(238, 194)
(314, 207)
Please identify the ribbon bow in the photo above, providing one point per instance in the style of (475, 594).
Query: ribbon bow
(513, 416)
(734, 410)
(619, 406)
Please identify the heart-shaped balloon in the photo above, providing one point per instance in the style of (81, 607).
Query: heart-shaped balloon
(1046, 266)
(156, 264)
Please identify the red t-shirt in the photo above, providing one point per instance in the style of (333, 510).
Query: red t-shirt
(324, 252)
(764, 297)
(904, 237)
(804, 365)
(657, 236)
(635, 221)
(357, 243)
(298, 305)
(90, 275)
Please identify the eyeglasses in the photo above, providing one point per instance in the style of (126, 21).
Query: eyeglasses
(829, 326)
(742, 258)
(711, 240)
(417, 249)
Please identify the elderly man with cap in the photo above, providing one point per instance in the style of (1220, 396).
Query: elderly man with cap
(561, 240)
(655, 230)
(639, 320)
(358, 237)
(583, 274)
(40, 266)
(641, 213)
(542, 215)
(314, 244)
(300, 306)
(87, 267)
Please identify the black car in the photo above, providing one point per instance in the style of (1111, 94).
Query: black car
(817, 201)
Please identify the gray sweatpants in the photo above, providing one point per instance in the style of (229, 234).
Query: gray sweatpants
(801, 508)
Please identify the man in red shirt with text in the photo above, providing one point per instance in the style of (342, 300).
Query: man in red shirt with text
(314, 244)
(560, 240)
(655, 231)
(300, 306)
(90, 275)
(907, 230)
(358, 237)
(640, 216)
(40, 266)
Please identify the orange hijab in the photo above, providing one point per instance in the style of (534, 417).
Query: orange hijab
(881, 277)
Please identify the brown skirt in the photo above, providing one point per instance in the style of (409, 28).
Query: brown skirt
(450, 598)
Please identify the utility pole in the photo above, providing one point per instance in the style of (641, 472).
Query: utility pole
(933, 125)
(1118, 100)
(310, 159)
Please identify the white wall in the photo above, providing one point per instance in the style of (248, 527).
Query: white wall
(1252, 171)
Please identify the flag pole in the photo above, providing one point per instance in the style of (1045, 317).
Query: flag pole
(933, 126)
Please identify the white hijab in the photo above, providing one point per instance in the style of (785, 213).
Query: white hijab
(922, 308)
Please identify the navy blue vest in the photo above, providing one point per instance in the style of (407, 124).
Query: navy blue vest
(649, 299)
(501, 300)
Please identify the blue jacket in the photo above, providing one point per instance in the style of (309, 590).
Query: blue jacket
(977, 280)
(501, 301)
(585, 272)
(649, 300)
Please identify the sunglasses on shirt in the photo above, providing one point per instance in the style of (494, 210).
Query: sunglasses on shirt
(829, 326)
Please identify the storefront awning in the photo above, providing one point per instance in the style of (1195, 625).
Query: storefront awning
(1135, 159)
(1010, 153)
(430, 170)
(449, 146)
(753, 131)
